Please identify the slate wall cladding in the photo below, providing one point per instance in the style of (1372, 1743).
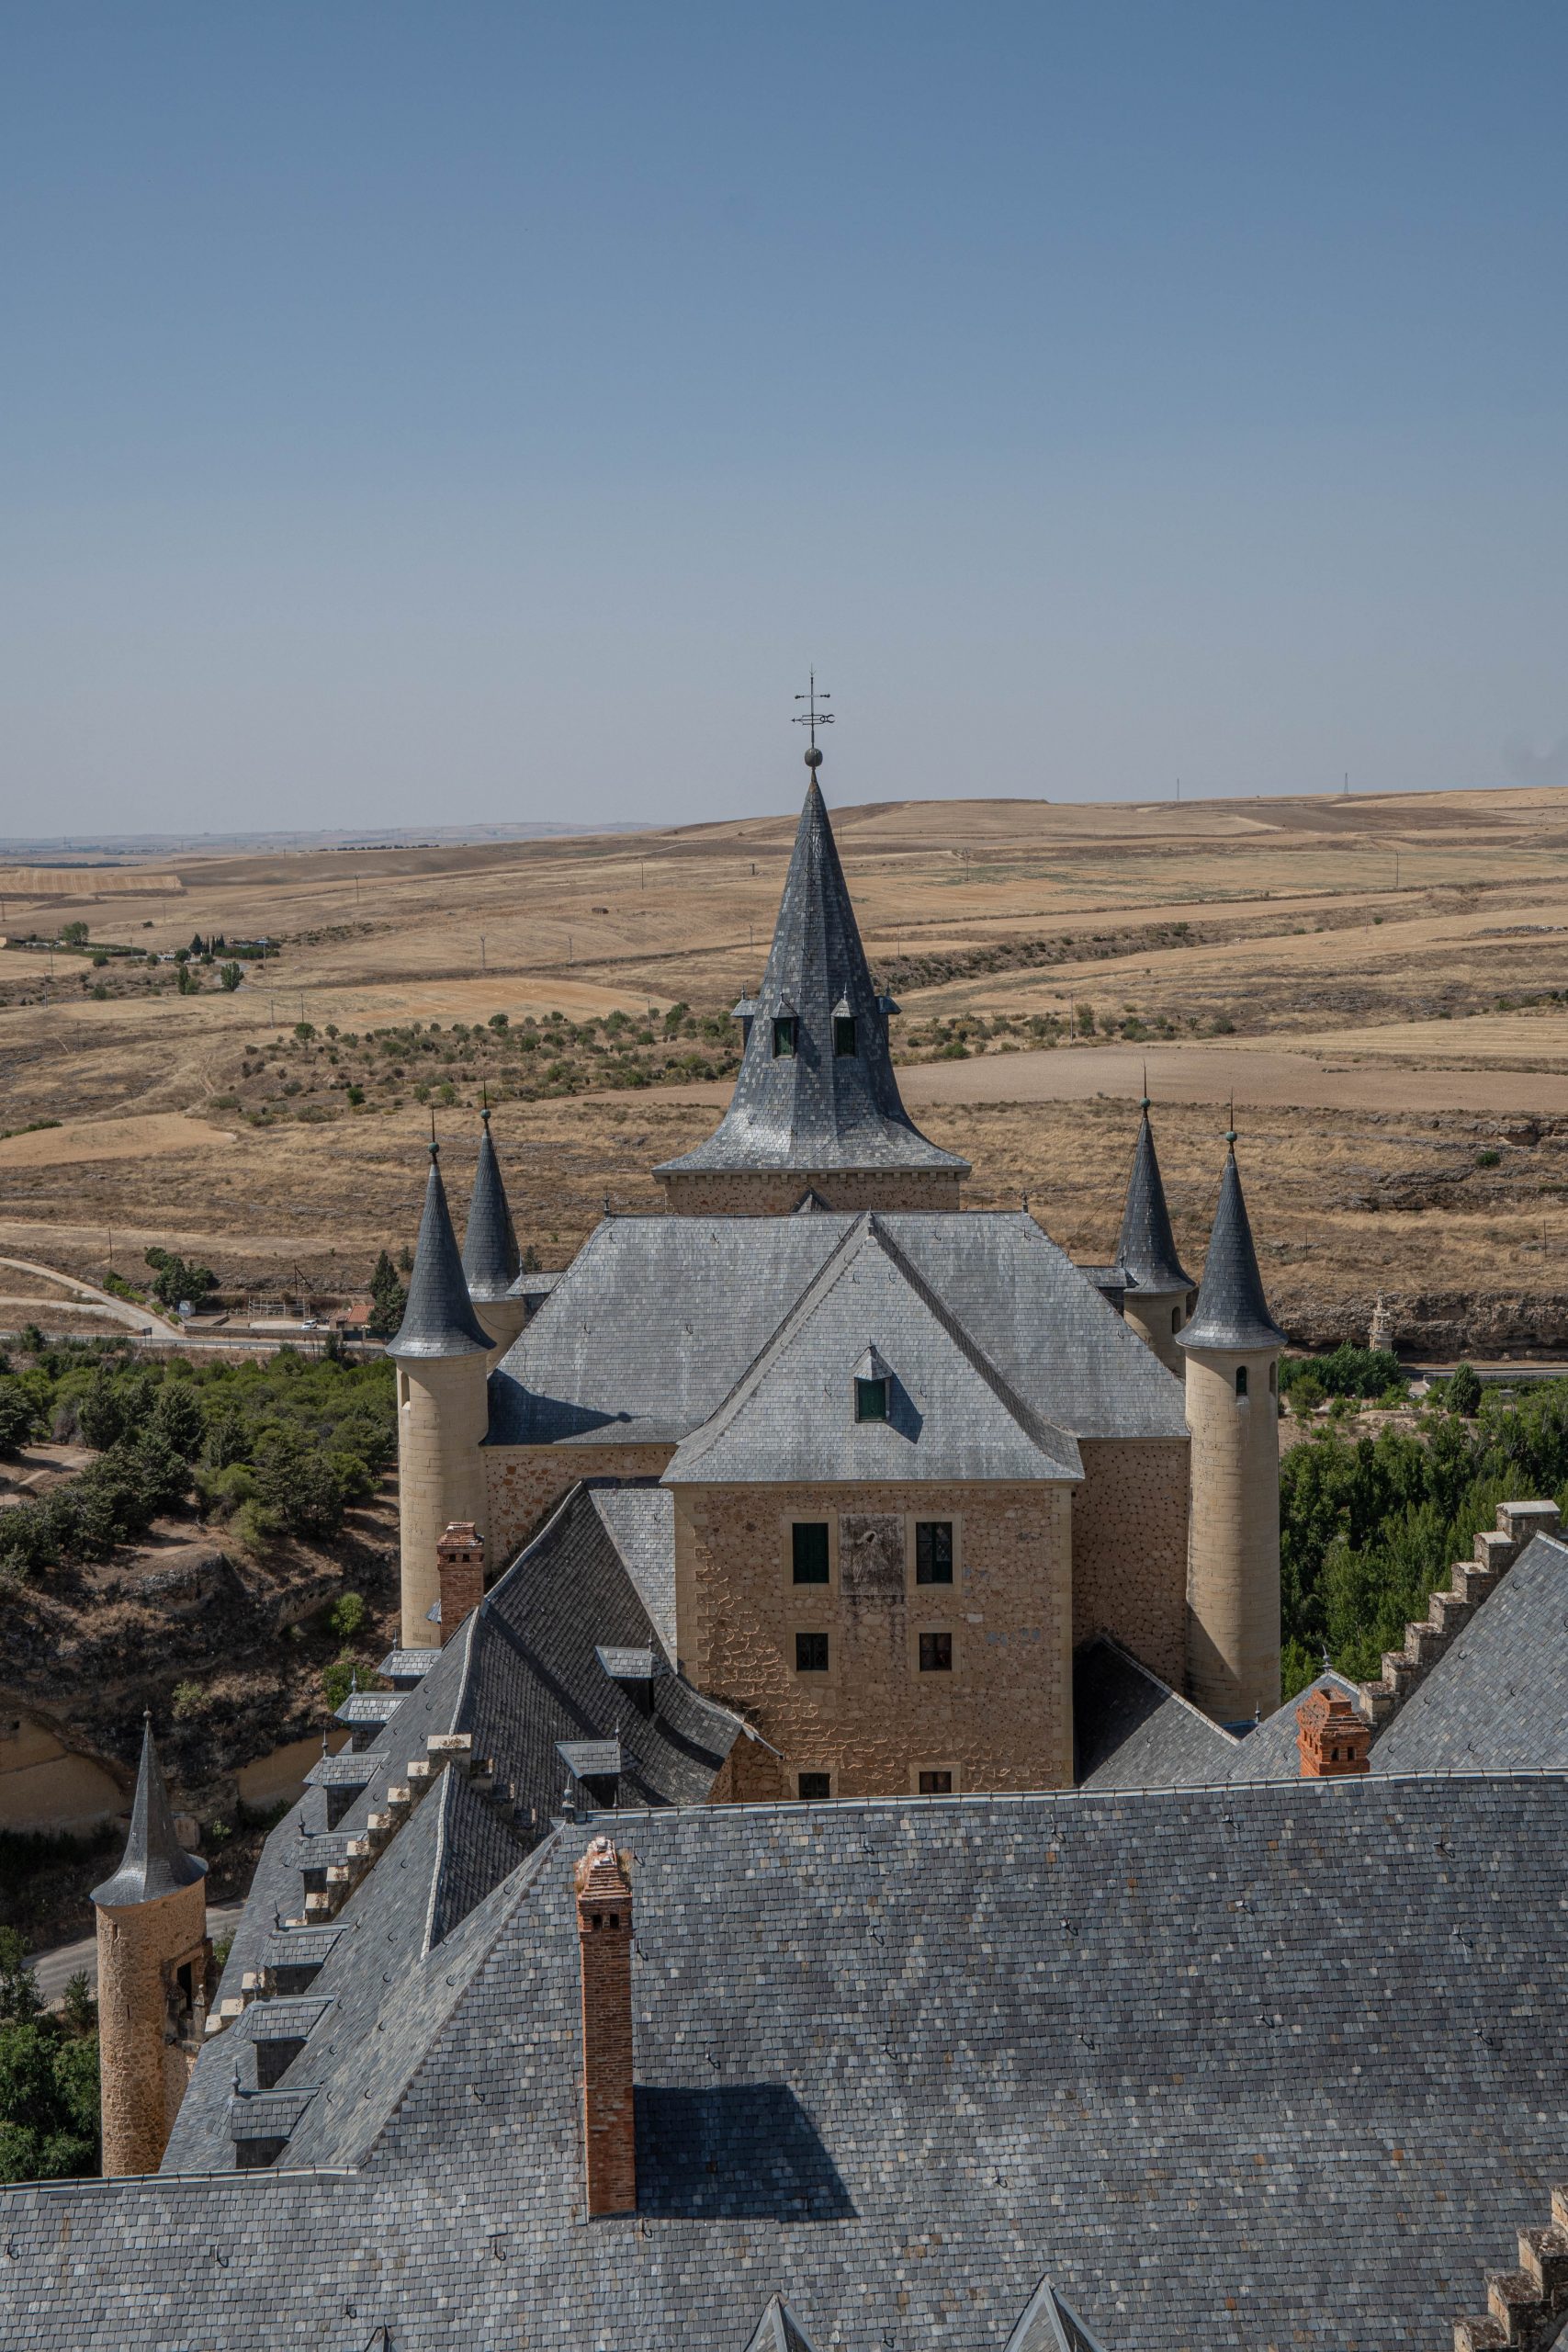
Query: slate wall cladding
(1001, 1718)
(524, 1482)
(1130, 1549)
(776, 1192)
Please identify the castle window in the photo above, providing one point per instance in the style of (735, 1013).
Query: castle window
(1273, 1380)
(870, 1399)
(1241, 1380)
(808, 1542)
(936, 1785)
(844, 1034)
(936, 1652)
(783, 1037)
(811, 1652)
(1176, 1318)
(933, 1551)
(815, 1788)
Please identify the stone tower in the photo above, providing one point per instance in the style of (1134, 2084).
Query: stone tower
(1159, 1288)
(152, 1964)
(490, 1253)
(816, 1106)
(441, 1353)
(1232, 1346)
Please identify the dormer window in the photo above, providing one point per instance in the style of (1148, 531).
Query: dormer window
(785, 1032)
(844, 1034)
(871, 1398)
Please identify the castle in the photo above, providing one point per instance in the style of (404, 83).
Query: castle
(908, 1458)
(828, 1867)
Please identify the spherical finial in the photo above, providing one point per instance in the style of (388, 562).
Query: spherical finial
(814, 757)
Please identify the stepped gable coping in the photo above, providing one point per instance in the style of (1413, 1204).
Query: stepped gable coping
(981, 1418)
(491, 1259)
(1479, 1678)
(438, 1316)
(816, 1110)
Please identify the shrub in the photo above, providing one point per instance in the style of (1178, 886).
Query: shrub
(188, 1701)
(1487, 1158)
(344, 1673)
(229, 977)
(348, 1616)
(255, 1527)
(19, 1416)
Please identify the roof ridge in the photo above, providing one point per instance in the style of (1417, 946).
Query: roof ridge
(1109, 1642)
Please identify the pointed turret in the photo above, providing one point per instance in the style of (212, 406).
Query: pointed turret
(490, 1262)
(490, 1245)
(439, 1320)
(444, 1353)
(815, 1102)
(153, 1960)
(1232, 1346)
(1232, 1311)
(154, 1863)
(1158, 1285)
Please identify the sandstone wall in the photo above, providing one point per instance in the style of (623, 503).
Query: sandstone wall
(1130, 1549)
(1232, 1656)
(144, 2070)
(442, 1417)
(1149, 1314)
(1001, 1719)
(524, 1482)
(773, 1192)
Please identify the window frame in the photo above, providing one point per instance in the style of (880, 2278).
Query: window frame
(824, 1797)
(843, 1021)
(786, 1037)
(934, 1583)
(812, 1673)
(932, 1597)
(788, 1522)
(1241, 1387)
(822, 1583)
(924, 1633)
(955, 1784)
(865, 1383)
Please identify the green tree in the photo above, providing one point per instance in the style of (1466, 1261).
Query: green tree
(73, 935)
(178, 1420)
(388, 1299)
(185, 981)
(176, 1278)
(229, 977)
(20, 1997)
(115, 1403)
(1463, 1393)
(295, 1480)
(49, 2103)
(19, 1416)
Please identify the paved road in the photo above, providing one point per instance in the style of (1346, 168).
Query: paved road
(137, 1318)
(55, 1969)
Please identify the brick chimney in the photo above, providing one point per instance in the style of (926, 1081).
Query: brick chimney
(605, 1941)
(460, 1564)
(1332, 1737)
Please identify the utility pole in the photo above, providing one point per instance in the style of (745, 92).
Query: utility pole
(481, 951)
(1396, 869)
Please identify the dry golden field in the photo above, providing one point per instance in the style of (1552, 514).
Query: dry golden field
(1381, 983)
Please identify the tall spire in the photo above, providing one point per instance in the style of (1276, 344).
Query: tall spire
(816, 1091)
(1148, 1248)
(439, 1320)
(1232, 1312)
(154, 1863)
(490, 1245)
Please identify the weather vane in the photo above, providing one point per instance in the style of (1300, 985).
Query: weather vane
(814, 717)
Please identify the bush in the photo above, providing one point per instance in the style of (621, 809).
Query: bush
(188, 1701)
(348, 1616)
(1345, 1372)
(255, 1527)
(229, 977)
(345, 1673)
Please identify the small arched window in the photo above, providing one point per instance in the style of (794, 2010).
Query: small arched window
(1241, 1380)
(1273, 1380)
(1176, 1318)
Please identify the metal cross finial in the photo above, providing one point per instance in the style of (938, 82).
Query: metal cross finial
(813, 717)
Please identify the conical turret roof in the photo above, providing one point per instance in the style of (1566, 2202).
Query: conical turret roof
(439, 1320)
(1232, 1311)
(816, 1107)
(1148, 1248)
(490, 1245)
(154, 1863)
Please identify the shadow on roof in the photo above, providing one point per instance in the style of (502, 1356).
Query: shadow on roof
(739, 2151)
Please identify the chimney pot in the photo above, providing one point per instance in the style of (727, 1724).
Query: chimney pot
(1331, 1737)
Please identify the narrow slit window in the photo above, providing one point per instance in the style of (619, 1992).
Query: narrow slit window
(809, 1541)
(1241, 1380)
(871, 1400)
(811, 1652)
(936, 1652)
(844, 1034)
(1176, 1318)
(936, 1785)
(815, 1788)
(933, 1551)
(784, 1038)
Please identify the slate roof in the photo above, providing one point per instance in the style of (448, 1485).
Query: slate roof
(1280, 2065)
(490, 1244)
(438, 1319)
(1132, 1731)
(1232, 1311)
(659, 1317)
(154, 1863)
(817, 1109)
(1497, 1699)
(640, 1523)
(1271, 1749)
(1146, 1250)
(869, 1313)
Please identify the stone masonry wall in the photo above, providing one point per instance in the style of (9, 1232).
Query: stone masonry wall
(1001, 1719)
(1130, 1549)
(775, 1193)
(526, 1483)
(143, 2073)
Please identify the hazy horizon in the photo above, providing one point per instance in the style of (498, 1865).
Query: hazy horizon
(468, 417)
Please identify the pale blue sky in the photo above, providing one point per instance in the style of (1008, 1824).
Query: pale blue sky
(467, 413)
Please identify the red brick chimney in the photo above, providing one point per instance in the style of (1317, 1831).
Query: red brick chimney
(605, 1941)
(460, 1564)
(1331, 1735)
